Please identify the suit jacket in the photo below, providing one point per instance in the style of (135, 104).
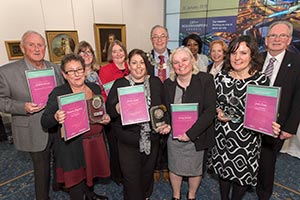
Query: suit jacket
(27, 131)
(151, 67)
(202, 91)
(288, 78)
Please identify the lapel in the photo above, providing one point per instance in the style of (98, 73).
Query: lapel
(284, 69)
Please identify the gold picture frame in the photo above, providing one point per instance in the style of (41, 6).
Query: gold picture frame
(61, 43)
(13, 50)
(104, 33)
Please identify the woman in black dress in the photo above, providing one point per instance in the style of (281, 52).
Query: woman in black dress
(137, 143)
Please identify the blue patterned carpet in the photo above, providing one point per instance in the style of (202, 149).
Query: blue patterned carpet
(16, 181)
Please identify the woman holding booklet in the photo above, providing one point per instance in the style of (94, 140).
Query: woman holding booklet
(187, 144)
(237, 150)
(138, 142)
(84, 157)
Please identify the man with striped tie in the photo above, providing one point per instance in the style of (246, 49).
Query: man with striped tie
(283, 69)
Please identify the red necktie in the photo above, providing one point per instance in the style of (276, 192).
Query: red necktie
(162, 74)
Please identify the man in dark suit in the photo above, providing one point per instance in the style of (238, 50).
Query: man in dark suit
(160, 67)
(28, 134)
(284, 72)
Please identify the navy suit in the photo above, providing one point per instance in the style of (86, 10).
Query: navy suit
(288, 78)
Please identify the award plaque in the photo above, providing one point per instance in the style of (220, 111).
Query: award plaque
(158, 116)
(96, 109)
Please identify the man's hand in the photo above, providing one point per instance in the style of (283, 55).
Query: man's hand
(33, 108)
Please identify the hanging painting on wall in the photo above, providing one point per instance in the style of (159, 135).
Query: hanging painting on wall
(61, 43)
(104, 35)
(13, 50)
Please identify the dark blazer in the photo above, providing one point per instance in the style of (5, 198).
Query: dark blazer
(27, 131)
(151, 67)
(209, 67)
(202, 91)
(288, 78)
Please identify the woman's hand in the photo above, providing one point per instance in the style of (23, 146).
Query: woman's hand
(105, 119)
(276, 129)
(221, 116)
(118, 108)
(183, 138)
(164, 129)
(60, 116)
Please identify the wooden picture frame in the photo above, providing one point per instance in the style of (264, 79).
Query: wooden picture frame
(105, 33)
(61, 43)
(13, 50)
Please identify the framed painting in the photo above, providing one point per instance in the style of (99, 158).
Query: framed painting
(61, 43)
(104, 35)
(13, 50)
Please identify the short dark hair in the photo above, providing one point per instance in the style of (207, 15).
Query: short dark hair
(142, 54)
(256, 59)
(71, 57)
(193, 37)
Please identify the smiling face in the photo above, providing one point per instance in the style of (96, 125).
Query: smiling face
(159, 39)
(193, 46)
(137, 68)
(182, 63)
(240, 59)
(74, 73)
(278, 39)
(118, 54)
(33, 48)
(217, 53)
(87, 56)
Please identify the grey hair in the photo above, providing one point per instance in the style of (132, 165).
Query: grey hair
(288, 24)
(195, 70)
(29, 33)
(158, 26)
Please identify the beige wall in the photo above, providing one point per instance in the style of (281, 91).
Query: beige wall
(18, 16)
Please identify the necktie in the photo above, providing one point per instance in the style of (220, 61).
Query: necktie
(162, 74)
(270, 67)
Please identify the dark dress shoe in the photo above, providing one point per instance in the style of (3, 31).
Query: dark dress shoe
(175, 198)
(96, 197)
(187, 197)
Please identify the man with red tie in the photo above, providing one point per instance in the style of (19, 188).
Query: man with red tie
(160, 67)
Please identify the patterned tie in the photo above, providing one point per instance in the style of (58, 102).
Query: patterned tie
(270, 67)
(162, 74)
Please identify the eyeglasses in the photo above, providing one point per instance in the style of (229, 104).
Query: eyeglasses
(73, 72)
(86, 53)
(281, 36)
(157, 37)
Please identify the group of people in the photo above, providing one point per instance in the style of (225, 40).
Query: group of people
(138, 153)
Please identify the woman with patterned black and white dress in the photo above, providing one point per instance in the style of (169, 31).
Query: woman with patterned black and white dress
(237, 150)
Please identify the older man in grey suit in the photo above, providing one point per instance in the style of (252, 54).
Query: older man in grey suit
(15, 99)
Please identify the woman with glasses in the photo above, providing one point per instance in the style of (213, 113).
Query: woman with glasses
(84, 157)
(234, 158)
(85, 50)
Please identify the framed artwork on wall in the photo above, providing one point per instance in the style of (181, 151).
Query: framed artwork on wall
(13, 50)
(61, 43)
(104, 35)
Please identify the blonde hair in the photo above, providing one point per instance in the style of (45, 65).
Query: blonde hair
(195, 69)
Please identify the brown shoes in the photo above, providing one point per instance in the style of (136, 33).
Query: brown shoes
(156, 175)
(165, 174)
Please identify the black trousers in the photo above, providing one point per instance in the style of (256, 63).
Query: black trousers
(3, 135)
(266, 170)
(115, 169)
(162, 157)
(41, 170)
(137, 169)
